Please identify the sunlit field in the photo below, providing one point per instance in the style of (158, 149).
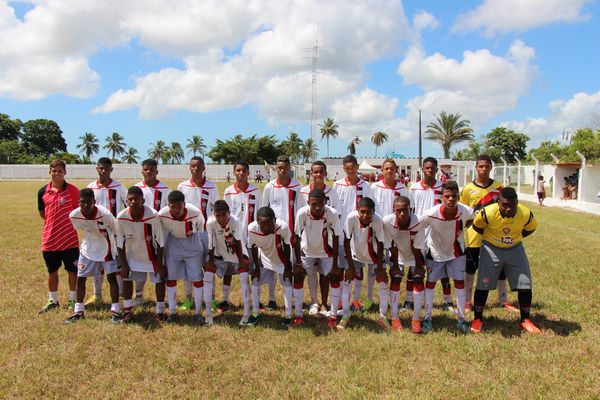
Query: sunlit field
(43, 358)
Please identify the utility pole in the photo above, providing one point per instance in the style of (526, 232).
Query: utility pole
(420, 143)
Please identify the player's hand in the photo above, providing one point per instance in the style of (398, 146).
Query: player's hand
(255, 274)
(287, 274)
(349, 274)
(335, 270)
(419, 271)
(244, 263)
(298, 268)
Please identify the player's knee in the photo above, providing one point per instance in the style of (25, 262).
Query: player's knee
(198, 284)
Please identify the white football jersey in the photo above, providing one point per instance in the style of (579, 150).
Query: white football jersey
(284, 200)
(384, 196)
(243, 205)
(140, 239)
(423, 198)
(191, 222)
(270, 246)
(349, 195)
(155, 196)
(317, 233)
(363, 239)
(202, 197)
(403, 238)
(446, 239)
(113, 197)
(220, 239)
(99, 241)
(331, 197)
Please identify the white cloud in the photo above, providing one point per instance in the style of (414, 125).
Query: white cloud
(503, 16)
(424, 20)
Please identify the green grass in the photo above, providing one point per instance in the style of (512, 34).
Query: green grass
(42, 358)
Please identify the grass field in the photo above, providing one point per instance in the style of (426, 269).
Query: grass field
(42, 358)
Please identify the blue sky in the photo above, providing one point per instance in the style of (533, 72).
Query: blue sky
(168, 70)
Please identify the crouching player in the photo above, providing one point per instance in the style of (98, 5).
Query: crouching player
(405, 236)
(226, 257)
(97, 251)
(317, 239)
(140, 243)
(363, 244)
(503, 226)
(183, 225)
(446, 251)
(269, 240)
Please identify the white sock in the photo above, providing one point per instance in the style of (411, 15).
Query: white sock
(313, 282)
(383, 298)
(226, 289)
(358, 284)
(461, 299)
(160, 307)
(187, 285)
(79, 307)
(245, 289)
(448, 298)
(172, 299)
(287, 297)
(198, 293)
(370, 281)
(127, 304)
(209, 278)
(72, 295)
(334, 295)
(53, 296)
(139, 287)
(410, 297)
(429, 295)
(469, 279)
(255, 298)
(272, 288)
(502, 292)
(298, 298)
(115, 307)
(418, 300)
(346, 288)
(394, 299)
(98, 280)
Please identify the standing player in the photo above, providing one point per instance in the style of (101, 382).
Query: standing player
(155, 196)
(244, 200)
(503, 226)
(183, 223)
(363, 244)
(478, 194)
(60, 244)
(140, 244)
(383, 193)
(227, 255)
(317, 240)
(202, 194)
(110, 194)
(282, 195)
(405, 237)
(445, 255)
(98, 251)
(269, 240)
(350, 190)
(318, 171)
(425, 194)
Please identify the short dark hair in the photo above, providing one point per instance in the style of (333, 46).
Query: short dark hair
(265, 212)
(483, 157)
(391, 161)
(402, 199)
(151, 162)
(175, 197)
(430, 160)
(242, 163)
(283, 159)
(318, 162)
(450, 185)
(86, 193)
(508, 193)
(349, 159)
(221, 205)
(197, 158)
(135, 190)
(366, 202)
(58, 163)
(316, 193)
(541, 177)
(104, 161)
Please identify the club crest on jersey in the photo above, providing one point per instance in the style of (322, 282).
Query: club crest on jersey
(486, 280)
(148, 238)
(157, 202)
(112, 201)
(506, 230)
(61, 201)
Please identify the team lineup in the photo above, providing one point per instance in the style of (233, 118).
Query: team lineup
(338, 239)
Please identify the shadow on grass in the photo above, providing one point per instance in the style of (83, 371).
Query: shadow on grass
(510, 329)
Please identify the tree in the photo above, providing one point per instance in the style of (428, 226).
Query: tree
(292, 147)
(89, 145)
(352, 145)
(506, 143)
(173, 154)
(43, 137)
(254, 150)
(448, 130)
(196, 145)
(587, 142)
(329, 129)
(13, 152)
(378, 139)
(68, 158)
(10, 129)
(542, 153)
(470, 153)
(115, 145)
(309, 150)
(130, 156)
(157, 150)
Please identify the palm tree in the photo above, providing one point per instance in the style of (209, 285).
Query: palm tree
(115, 145)
(378, 139)
(89, 145)
(292, 146)
(175, 153)
(196, 145)
(329, 129)
(448, 130)
(352, 145)
(309, 150)
(130, 156)
(157, 150)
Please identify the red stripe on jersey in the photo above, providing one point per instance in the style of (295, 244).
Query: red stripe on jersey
(359, 194)
(112, 201)
(104, 232)
(457, 232)
(279, 247)
(203, 205)
(188, 228)
(292, 213)
(490, 198)
(149, 247)
(326, 247)
(251, 206)
(157, 199)
(372, 253)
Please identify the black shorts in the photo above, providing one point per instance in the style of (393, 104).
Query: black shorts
(68, 258)
(473, 262)
(540, 195)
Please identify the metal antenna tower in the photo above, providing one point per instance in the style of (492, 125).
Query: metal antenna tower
(313, 111)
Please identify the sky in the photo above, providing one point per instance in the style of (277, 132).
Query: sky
(166, 70)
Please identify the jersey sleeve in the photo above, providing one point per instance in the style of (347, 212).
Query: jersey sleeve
(211, 239)
(74, 221)
(110, 221)
(335, 224)
(158, 232)
(237, 230)
(299, 223)
(122, 196)
(286, 235)
(348, 228)
(266, 196)
(388, 234)
(41, 205)
(120, 235)
(418, 237)
(334, 200)
(481, 220)
(378, 230)
(531, 224)
(213, 196)
(464, 196)
(258, 199)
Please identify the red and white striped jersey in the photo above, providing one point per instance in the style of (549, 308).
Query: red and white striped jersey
(155, 196)
(284, 200)
(384, 196)
(331, 197)
(140, 238)
(243, 205)
(221, 238)
(363, 239)
(349, 195)
(446, 239)
(99, 241)
(202, 197)
(423, 198)
(403, 238)
(58, 232)
(113, 196)
(317, 233)
(191, 222)
(270, 246)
